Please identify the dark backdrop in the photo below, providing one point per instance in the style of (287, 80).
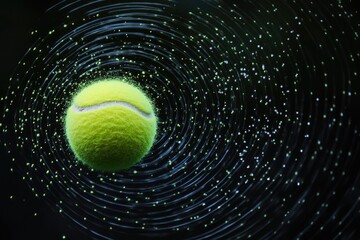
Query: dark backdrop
(22, 215)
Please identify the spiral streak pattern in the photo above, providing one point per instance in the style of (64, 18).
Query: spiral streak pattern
(255, 102)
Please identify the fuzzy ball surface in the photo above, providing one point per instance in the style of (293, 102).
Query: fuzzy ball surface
(110, 125)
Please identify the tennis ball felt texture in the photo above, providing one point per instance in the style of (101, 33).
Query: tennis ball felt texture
(110, 125)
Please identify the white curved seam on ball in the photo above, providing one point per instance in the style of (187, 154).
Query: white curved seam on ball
(110, 104)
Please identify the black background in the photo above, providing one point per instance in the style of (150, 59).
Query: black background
(22, 215)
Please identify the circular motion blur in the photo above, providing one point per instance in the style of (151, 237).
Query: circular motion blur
(254, 104)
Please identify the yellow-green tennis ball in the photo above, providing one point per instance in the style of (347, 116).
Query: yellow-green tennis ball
(110, 125)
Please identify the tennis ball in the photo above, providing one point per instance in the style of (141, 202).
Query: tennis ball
(110, 125)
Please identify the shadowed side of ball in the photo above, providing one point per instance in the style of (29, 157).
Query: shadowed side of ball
(110, 125)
